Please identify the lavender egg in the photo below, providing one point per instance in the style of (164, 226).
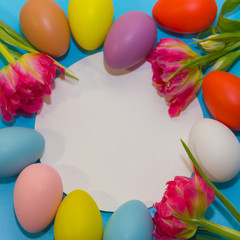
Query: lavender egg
(129, 40)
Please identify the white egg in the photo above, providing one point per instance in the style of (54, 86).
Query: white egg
(216, 149)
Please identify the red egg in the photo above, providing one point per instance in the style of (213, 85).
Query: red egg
(221, 92)
(185, 16)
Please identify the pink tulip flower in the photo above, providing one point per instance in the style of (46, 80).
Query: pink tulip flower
(24, 82)
(186, 198)
(169, 56)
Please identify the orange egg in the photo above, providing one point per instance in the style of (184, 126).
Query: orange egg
(45, 25)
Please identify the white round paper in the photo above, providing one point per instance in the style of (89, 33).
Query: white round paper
(110, 134)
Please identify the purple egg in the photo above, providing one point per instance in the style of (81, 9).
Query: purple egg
(129, 40)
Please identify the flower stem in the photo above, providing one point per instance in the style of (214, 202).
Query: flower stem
(226, 232)
(204, 238)
(202, 60)
(220, 230)
(5, 53)
(219, 195)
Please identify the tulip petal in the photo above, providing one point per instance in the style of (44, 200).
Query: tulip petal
(169, 56)
(187, 198)
(25, 82)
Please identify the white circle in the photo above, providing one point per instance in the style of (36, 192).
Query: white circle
(110, 134)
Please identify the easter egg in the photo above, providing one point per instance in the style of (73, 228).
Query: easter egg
(216, 149)
(19, 147)
(46, 27)
(131, 221)
(221, 92)
(185, 16)
(90, 21)
(37, 195)
(78, 217)
(129, 40)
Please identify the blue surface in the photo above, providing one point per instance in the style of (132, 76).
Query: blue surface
(9, 227)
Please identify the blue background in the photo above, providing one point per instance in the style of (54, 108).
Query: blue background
(9, 226)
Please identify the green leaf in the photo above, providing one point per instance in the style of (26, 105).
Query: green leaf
(205, 59)
(15, 35)
(4, 36)
(205, 33)
(225, 24)
(71, 75)
(14, 54)
(219, 195)
(225, 37)
(226, 61)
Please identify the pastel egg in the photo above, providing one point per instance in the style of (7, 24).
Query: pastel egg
(90, 21)
(19, 147)
(78, 217)
(131, 221)
(129, 40)
(37, 195)
(216, 149)
(46, 27)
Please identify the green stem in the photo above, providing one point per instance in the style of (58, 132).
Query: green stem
(204, 238)
(219, 195)
(220, 230)
(226, 232)
(5, 53)
(220, 37)
(202, 60)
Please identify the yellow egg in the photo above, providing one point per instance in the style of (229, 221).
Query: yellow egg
(90, 21)
(78, 217)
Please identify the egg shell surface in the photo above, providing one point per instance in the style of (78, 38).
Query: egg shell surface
(131, 221)
(129, 40)
(78, 217)
(37, 195)
(90, 21)
(215, 148)
(46, 27)
(221, 93)
(19, 147)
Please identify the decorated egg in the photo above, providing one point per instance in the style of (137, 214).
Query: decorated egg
(131, 221)
(37, 195)
(90, 21)
(46, 27)
(129, 40)
(216, 149)
(221, 93)
(19, 147)
(78, 217)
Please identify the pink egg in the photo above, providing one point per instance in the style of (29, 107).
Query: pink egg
(37, 195)
(129, 40)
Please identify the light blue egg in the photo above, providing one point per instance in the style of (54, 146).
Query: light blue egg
(19, 147)
(131, 221)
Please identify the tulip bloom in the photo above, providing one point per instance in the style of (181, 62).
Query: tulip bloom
(184, 197)
(169, 56)
(24, 82)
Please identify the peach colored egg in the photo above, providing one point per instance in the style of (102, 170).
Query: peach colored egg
(45, 25)
(37, 195)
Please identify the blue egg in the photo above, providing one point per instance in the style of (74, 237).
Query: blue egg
(19, 147)
(131, 221)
